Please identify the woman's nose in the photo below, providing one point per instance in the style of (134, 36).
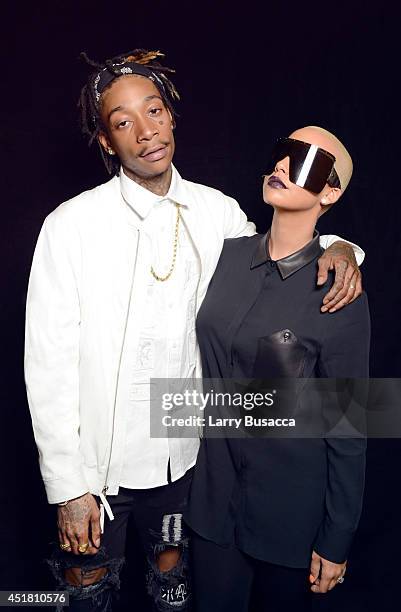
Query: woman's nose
(282, 165)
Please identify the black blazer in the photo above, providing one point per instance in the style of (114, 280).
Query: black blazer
(278, 499)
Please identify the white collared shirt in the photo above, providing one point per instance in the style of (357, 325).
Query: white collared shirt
(167, 342)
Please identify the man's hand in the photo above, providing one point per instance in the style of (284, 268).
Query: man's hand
(79, 525)
(328, 571)
(347, 283)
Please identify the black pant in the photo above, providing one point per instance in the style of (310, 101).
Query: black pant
(157, 515)
(227, 580)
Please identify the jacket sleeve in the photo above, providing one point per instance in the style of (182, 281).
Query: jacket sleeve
(52, 356)
(236, 223)
(329, 239)
(344, 354)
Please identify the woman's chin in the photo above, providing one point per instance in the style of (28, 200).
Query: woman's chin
(279, 205)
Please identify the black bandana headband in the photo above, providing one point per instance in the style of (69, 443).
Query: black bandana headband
(108, 74)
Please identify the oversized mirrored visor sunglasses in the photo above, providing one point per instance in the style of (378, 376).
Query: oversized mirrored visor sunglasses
(310, 166)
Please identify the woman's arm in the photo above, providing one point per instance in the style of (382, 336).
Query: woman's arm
(344, 354)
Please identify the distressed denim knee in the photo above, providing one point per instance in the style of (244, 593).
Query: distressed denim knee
(97, 596)
(169, 589)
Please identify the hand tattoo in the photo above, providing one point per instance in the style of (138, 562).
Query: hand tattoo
(76, 513)
(343, 249)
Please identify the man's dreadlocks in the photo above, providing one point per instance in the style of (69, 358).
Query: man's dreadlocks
(90, 98)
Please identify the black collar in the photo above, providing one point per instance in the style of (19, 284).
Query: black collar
(290, 264)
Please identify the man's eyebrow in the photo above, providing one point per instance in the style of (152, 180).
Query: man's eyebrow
(114, 110)
(147, 99)
(152, 97)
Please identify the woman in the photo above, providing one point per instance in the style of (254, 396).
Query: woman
(274, 518)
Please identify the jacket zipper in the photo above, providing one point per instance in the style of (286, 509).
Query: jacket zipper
(200, 428)
(103, 494)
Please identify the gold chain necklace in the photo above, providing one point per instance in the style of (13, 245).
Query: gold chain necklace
(175, 245)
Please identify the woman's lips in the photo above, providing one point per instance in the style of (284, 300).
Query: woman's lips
(155, 155)
(275, 182)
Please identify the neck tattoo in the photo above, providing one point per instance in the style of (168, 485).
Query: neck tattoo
(159, 185)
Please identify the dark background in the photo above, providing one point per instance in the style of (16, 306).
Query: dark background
(246, 74)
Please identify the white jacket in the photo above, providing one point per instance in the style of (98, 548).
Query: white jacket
(87, 271)
(87, 274)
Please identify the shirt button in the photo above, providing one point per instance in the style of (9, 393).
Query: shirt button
(287, 336)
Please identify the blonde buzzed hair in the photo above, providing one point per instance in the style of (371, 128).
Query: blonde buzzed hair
(326, 140)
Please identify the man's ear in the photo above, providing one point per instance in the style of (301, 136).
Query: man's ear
(105, 143)
(330, 196)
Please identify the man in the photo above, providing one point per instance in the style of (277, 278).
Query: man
(118, 275)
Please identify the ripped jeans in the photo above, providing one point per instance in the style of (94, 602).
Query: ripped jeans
(157, 514)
